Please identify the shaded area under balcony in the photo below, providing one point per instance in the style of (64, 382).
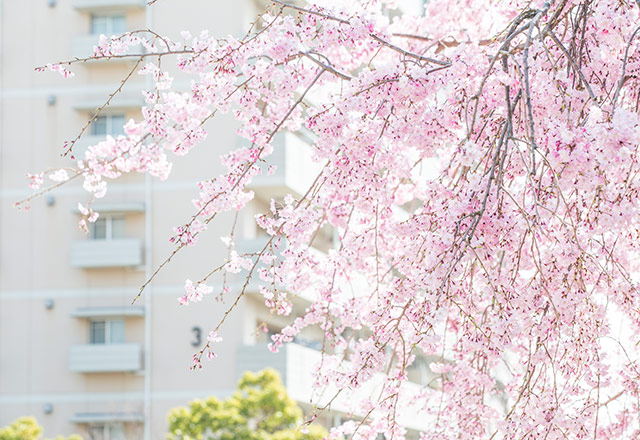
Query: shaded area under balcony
(107, 312)
(107, 417)
(107, 5)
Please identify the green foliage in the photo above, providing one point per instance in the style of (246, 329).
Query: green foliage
(260, 409)
(27, 428)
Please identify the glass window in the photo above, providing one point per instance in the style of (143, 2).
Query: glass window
(108, 24)
(116, 432)
(117, 227)
(97, 432)
(99, 126)
(99, 229)
(118, 24)
(116, 331)
(98, 332)
(107, 331)
(111, 431)
(117, 124)
(108, 125)
(108, 227)
(98, 24)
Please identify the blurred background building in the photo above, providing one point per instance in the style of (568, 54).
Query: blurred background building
(74, 352)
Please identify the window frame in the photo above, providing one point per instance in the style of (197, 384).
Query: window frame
(109, 124)
(108, 233)
(109, 23)
(108, 331)
(104, 431)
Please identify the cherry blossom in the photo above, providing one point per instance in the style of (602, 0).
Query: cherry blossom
(478, 168)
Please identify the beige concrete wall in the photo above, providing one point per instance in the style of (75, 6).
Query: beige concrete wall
(35, 246)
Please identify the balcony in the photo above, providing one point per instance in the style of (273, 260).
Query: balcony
(82, 47)
(105, 358)
(122, 252)
(108, 312)
(106, 208)
(123, 102)
(107, 417)
(108, 5)
(295, 171)
(296, 364)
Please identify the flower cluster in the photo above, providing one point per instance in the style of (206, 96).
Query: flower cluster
(194, 293)
(478, 180)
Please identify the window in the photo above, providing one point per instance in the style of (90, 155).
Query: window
(108, 24)
(108, 124)
(110, 431)
(265, 331)
(108, 227)
(418, 371)
(307, 342)
(106, 331)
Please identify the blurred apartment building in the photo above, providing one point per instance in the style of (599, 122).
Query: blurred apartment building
(74, 352)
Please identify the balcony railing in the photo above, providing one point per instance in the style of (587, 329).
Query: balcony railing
(295, 170)
(104, 358)
(124, 252)
(107, 5)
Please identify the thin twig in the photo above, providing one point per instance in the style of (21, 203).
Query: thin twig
(624, 68)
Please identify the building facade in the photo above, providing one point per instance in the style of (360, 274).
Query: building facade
(74, 352)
